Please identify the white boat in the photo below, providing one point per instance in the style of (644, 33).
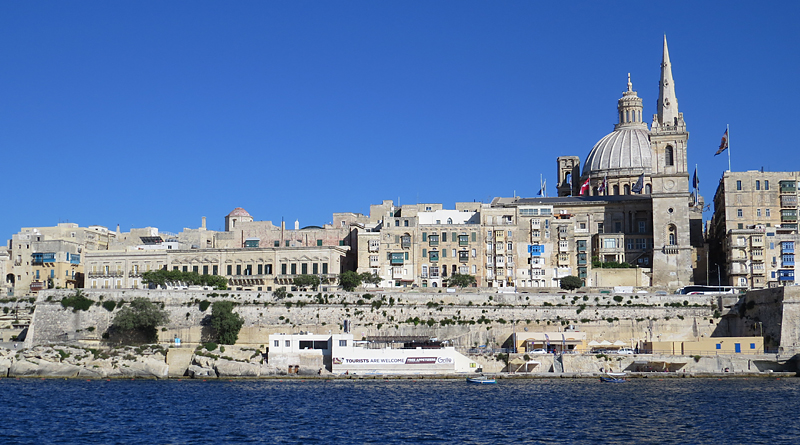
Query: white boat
(481, 380)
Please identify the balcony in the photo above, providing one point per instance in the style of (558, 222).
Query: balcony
(374, 247)
(757, 241)
(111, 273)
(789, 201)
(397, 273)
(670, 250)
(757, 255)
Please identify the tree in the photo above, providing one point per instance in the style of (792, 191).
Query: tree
(225, 322)
(305, 281)
(137, 323)
(461, 280)
(571, 282)
(349, 280)
(370, 278)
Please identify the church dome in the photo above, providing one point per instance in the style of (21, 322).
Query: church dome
(238, 211)
(624, 152)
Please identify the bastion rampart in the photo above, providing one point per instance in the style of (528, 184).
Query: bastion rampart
(465, 319)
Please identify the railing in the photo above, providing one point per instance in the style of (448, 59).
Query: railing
(670, 250)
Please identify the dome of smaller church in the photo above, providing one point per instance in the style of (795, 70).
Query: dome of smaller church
(238, 211)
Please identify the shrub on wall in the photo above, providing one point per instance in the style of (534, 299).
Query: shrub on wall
(77, 302)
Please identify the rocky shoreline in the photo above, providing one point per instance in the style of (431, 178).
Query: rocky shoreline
(149, 361)
(158, 362)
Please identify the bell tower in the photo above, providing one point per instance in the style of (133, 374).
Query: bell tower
(672, 251)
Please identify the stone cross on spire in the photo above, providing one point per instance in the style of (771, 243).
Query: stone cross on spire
(667, 101)
(630, 85)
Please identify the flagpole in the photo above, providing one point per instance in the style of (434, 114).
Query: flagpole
(728, 131)
(695, 183)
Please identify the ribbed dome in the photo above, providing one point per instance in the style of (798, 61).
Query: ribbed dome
(624, 152)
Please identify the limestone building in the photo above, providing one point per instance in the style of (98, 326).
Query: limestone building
(754, 229)
(630, 203)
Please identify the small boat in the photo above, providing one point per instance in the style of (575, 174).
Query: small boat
(612, 380)
(481, 380)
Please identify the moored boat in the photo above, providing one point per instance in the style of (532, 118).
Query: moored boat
(481, 380)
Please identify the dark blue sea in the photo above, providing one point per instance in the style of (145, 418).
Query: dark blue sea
(556, 411)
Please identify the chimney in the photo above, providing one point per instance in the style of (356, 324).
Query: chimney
(296, 224)
(203, 226)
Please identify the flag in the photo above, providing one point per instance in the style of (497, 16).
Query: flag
(541, 189)
(695, 180)
(637, 188)
(585, 187)
(602, 188)
(547, 338)
(724, 144)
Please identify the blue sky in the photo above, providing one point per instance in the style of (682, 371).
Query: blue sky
(158, 113)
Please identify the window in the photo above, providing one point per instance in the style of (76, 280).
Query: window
(325, 268)
(642, 227)
(668, 156)
(238, 269)
(283, 269)
(626, 189)
(342, 343)
(230, 269)
(758, 212)
(738, 185)
(215, 270)
(673, 238)
(609, 243)
(276, 243)
(205, 270)
(739, 213)
(294, 269)
(287, 243)
(424, 253)
(405, 222)
(319, 242)
(766, 184)
(424, 271)
(304, 268)
(758, 185)
(444, 237)
(288, 343)
(766, 212)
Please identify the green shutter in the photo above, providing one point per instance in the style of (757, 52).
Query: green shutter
(424, 236)
(474, 237)
(444, 237)
(406, 256)
(424, 253)
(444, 253)
(455, 236)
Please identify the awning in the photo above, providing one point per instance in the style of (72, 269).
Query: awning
(594, 343)
(619, 343)
(605, 343)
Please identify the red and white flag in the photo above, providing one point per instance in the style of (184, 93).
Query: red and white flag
(585, 186)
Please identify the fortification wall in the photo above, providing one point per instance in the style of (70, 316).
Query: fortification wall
(465, 319)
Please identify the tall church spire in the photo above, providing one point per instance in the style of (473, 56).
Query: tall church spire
(667, 102)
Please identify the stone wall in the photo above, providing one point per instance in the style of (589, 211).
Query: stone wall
(466, 319)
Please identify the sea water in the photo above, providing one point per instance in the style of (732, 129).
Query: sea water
(694, 411)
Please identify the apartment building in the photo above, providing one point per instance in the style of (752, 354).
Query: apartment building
(754, 229)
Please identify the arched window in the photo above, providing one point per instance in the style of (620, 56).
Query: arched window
(449, 220)
(594, 191)
(668, 156)
(672, 235)
(616, 190)
(627, 189)
(648, 189)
